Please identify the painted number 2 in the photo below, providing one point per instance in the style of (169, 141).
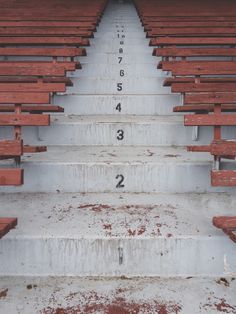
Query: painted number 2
(121, 179)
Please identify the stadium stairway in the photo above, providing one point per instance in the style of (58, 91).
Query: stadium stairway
(116, 216)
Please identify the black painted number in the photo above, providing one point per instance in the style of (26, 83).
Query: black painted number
(120, 184)
(122, 72)
(120, 59)
(119, 87)
(118, 107)
(120, 135)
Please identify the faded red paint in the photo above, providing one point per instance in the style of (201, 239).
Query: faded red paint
(107, 226)
(221, 306)
(94, 207)
(92, 303)
(121, 307)
(131, 232)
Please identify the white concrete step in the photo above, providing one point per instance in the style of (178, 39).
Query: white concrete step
(124, 130)
(127, 35)
(117, 130)
(99, 58)
(114, 45)
(101, 169)
(99, 85)
(107, 104)
(117, 235)
(116, 41)
(95, 295)
(111, 70)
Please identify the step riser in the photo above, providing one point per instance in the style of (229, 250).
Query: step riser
(137, 86)
(91, 71)
(106, 104)
(141, 257)
(129, 35)
(101, 177)
(112, 46)
(100, 132)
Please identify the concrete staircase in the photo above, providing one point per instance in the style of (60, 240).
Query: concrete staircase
(116, 216)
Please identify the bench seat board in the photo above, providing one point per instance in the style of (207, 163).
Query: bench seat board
(11, 176)
(32, 109)
(223, 177)
(24, 98)
(11, 148)
(6, 224)
(24, 120)
(210, 120)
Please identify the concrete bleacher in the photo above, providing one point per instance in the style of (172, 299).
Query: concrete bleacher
(117, 215)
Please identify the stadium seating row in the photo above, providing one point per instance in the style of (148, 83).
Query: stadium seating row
(196, 42)
(39, 44)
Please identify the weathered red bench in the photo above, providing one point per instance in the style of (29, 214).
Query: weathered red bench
(227, 224)
(174, 52)
(6, 224)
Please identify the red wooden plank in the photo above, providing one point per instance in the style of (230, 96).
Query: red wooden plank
(200, 67)
(43, 52)
(171, 80)
(210, 120)
(12, 222)
(210, 98)
(67, 65)
(24, 98)
(184, 24)
(24, 120)
(39, 70)
(4, 229)
(223, 148)
(194, 52)
(191, 41)
(224, 222)
(199, 148)
(34, 79)
(223, 177)
(32, 109)
(231, 234)
(191, 31)
(11, 148)
(34, 149)
(203, 108)
(70, 41)
(32, 87)
(203, 87)
(53, 24)
(44, 31)
(189, 19)
(11, 177)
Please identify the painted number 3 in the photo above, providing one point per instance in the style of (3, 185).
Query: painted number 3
(120, 135)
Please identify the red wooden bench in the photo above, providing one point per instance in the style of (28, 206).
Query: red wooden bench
(227, 224)
(6, 224)
(198, 30)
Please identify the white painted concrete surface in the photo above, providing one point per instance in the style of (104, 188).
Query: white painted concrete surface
(82, 235)
(142, 208)
(96, 295)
